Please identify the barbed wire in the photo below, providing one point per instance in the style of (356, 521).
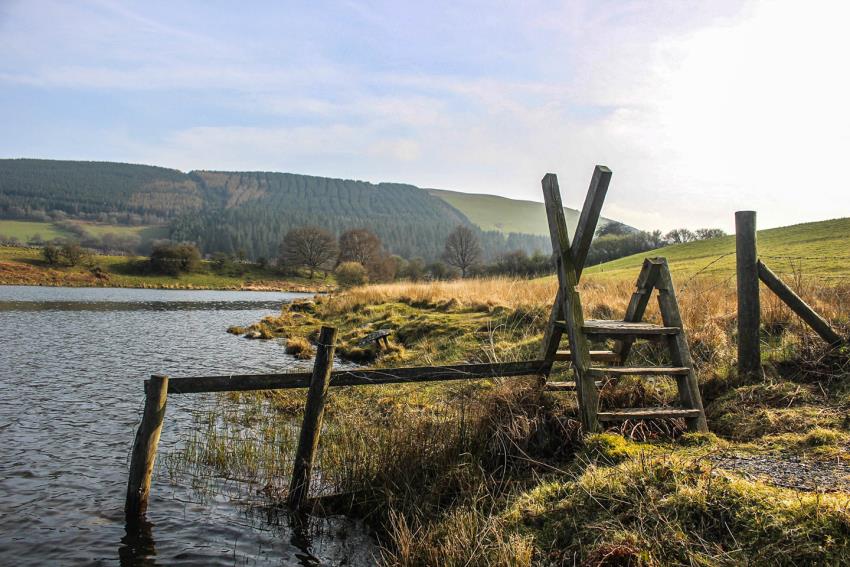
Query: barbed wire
(769, 257)
(684, 286)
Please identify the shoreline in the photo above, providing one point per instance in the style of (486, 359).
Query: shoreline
(176, 287)
(24, 266)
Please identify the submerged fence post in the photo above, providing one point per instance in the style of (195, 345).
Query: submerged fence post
(749, 346)
(144, 448)
(311, 428)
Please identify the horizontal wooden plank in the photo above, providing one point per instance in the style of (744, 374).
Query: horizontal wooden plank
(247, 382)
(595, 355)
(568, 386)
(646, 413)
(598, 327)
(645, 371)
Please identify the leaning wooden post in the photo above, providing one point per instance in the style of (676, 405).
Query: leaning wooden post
(798, 306)
(749, 346)
(308, 442)
(144, 448)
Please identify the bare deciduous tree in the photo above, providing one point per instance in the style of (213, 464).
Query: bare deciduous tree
(462, 249)
(310, 247)
(708, 233)
(680, 235)
(360, 245)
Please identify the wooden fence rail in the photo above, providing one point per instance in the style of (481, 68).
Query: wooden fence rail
(247, 382)
(318, 381)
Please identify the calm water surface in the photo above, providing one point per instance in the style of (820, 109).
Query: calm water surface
(72, 362)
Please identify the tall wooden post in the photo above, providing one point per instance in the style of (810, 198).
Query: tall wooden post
(314, 411)
(749, 346)
(144, 449)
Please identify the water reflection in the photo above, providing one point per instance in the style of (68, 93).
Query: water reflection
(137, 546)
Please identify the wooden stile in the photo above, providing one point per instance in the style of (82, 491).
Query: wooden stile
(311, 427)
(143, 455)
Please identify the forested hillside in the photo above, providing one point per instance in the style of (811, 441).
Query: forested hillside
(32, 188)
(239, 212)
(252, 212)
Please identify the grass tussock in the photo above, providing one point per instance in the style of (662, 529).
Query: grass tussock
(300, 348)
(665, 510)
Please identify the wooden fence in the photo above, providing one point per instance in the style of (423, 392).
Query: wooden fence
(158, 388)
(749, 270)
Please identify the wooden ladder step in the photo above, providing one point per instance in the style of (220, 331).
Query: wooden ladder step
(561, 386)
(567, 386)
(617, 328)
(645, 413)
(648, 371)
(595, 355)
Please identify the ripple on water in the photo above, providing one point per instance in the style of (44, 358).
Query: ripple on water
(71, 367)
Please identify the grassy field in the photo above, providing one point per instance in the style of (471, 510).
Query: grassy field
(491, 212)
(145, 233)
(24, 266)
(502, 463)
(816, 249)
(25, 230)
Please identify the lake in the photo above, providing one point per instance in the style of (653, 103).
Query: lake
(72, 363)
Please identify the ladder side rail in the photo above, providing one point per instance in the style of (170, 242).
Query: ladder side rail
(589, 217)
(688, 385)
(637, 304)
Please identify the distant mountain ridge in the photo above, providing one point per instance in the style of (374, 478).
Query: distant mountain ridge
(250, 212)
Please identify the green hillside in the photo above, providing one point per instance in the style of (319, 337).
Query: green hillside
(25, 231)
(236, 212)
(813, 249)
(491, 212)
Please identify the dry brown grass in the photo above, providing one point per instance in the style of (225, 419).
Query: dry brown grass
(708, 305)
(701, 298)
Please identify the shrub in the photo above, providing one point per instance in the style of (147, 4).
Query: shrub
(351, 274)
(72, 253)
(51, 254)
(173, 259)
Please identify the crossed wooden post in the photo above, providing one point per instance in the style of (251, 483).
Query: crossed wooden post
(575, 254)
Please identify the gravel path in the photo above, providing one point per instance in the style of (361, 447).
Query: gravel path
(790, 471)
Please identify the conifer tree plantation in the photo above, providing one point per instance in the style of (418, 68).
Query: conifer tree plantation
(244, 213)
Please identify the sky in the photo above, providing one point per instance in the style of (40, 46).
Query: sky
(699, 108)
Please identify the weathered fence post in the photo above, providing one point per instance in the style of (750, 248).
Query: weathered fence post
(144, 448)
(311, 428)
(749, 346)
